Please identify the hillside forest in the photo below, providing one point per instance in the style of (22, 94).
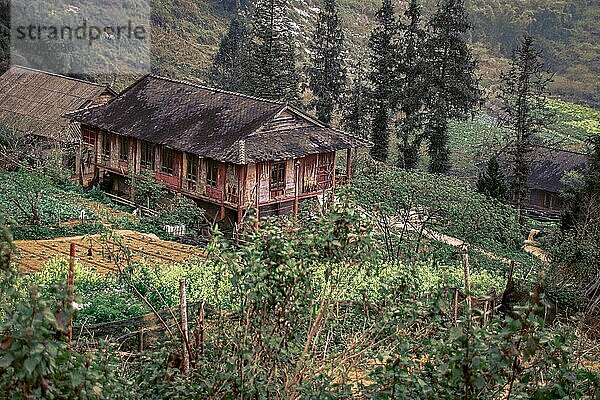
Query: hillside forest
(187, 34)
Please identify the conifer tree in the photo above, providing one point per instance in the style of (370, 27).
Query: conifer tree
(453, 85)
(327, 73)
(575, 250)
(355, 114)
(230, 65)
(384, 53)
(586, 196)
(492, 182)
(523, 94)
(272, 65)
(412, 68)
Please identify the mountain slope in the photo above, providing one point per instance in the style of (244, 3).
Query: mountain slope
(187, 34)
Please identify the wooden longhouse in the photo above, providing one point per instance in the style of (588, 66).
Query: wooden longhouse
(33, 102)
(228, 150)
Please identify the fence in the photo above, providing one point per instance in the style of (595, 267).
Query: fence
(144, 211)
(141, 332)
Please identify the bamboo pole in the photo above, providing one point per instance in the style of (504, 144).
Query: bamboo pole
(296, 188)
(184, 326)
(348, 165)
(465, 255)
(201, 330)
(71, 289)
(141, 340)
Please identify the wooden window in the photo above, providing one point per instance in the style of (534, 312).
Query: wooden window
(167, 161)
(212, 173)
(147, 159)
(192, 172)
(106, 146)
(547, 200)
(278, 177)
(89, 136)
(123, 148)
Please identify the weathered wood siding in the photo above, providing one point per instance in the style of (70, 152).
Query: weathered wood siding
(284, 121)
(236, 185)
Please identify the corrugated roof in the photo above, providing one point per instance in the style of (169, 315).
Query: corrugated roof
(209, 122)
(35, 101)
(548, 165)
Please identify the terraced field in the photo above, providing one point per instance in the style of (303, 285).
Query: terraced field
(98, 251)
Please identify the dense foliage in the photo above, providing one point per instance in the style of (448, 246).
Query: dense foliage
(305, 314)
(35, 359)
(576, 247)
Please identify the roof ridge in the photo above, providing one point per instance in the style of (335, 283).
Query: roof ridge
(213, 89)
(561, 150)
(68, 114)
(106, 86)
(509, 144)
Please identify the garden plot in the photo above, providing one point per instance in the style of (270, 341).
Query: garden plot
(93, 251)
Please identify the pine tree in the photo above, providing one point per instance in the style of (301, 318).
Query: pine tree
(453, 85)
(575, 251)
(412, 69)
(586, 196)
(523, 93)
(593, 173)
(230, 65)
(272, 63)
(384, 53)
(492, 182)
(355, 115)
(327, 73)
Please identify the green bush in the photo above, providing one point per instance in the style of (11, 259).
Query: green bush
(33, 232)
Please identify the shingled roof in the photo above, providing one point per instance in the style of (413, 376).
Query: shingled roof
(211, 123)
(548, 165)
(34, 101)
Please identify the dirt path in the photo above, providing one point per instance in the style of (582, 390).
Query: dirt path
(529, 247)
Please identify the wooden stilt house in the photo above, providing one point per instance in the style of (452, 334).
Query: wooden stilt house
(228, 150)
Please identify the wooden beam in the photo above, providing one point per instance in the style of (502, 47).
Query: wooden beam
(348, 165)
(296, 188)
(333, 179)
(223, 176)
(257, 195)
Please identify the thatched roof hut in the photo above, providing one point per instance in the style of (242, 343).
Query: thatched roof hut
(35, 102)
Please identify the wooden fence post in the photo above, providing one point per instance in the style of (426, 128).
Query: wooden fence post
(201, 330)
(455, 306)
(141, 340)
(465, 254)
(71, 289)
(184, 325)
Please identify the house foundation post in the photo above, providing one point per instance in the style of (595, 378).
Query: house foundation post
(296, 188)
(348, 165)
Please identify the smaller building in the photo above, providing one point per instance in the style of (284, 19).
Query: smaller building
(548, 166)
(233, 152)
(34, 102)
